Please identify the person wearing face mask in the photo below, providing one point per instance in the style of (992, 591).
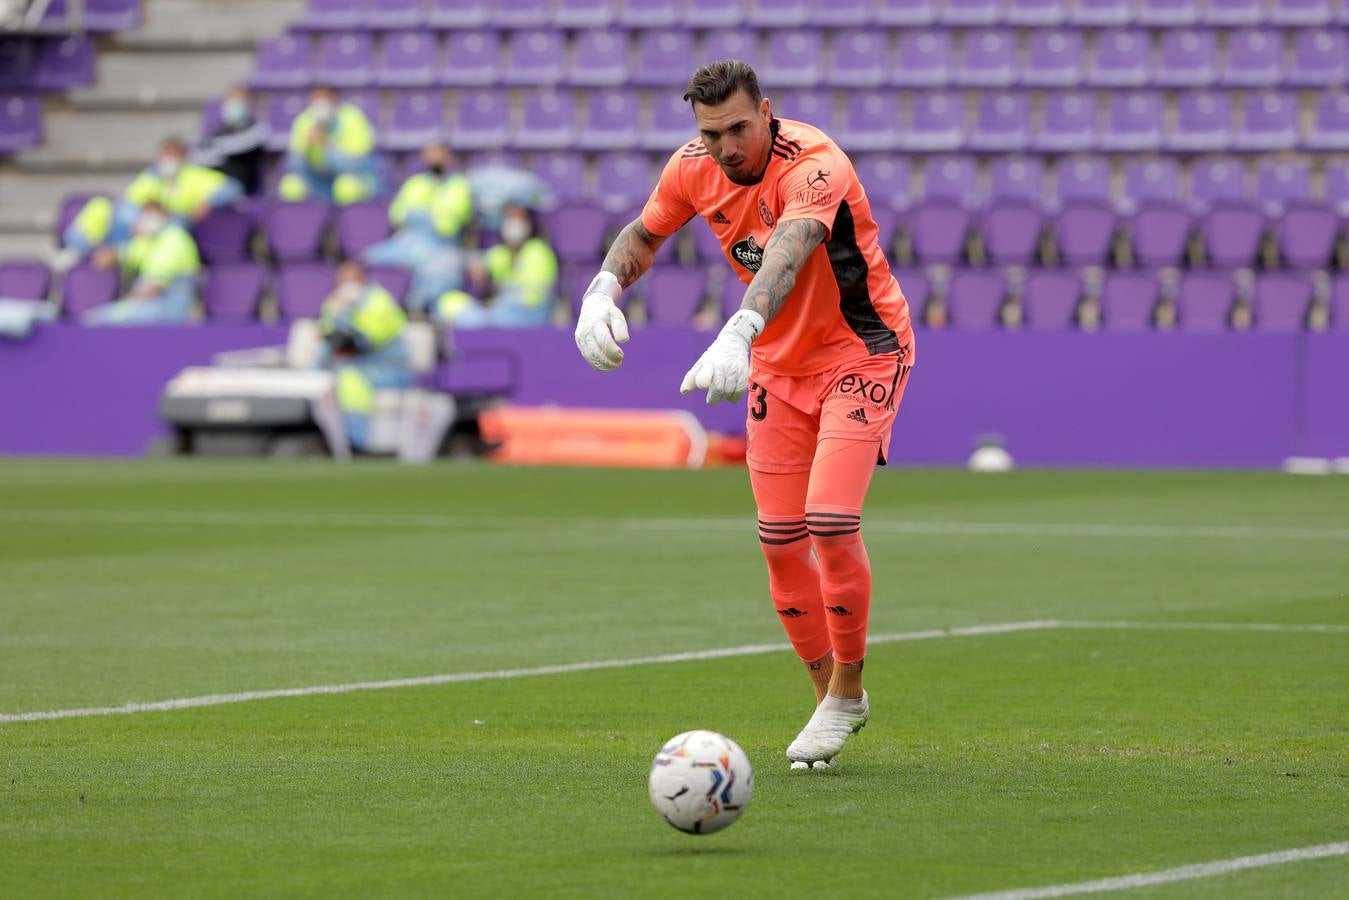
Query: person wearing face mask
(428, 216)
(362, 327)
(331, 154)
(163, 266)
(517, 277)
(186, 191)
(235, 147)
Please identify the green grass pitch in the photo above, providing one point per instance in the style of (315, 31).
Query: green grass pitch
(992, 762)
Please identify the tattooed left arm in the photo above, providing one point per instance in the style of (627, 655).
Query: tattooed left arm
(788, 248)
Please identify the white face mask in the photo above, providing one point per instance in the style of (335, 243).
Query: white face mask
(515, 231)
(150, 223)
(168, 166)
(323, 111)
(348, 291)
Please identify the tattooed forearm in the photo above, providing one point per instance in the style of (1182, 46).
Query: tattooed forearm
(632, 252)
(788, 249)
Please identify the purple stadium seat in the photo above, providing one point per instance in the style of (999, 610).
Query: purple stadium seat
(1083, 232)
(1017, 178)
(548, 121)
(1336, 187)
(346, 59)
(563, 173)
(418, 119)
(1204, 300)
(1053, 59)
(729, 45)
(733, 294)
(294, 230)
(1232, 233)
(1281, 301)
(937, 228)
(1121, 59)
(671, 124)
(394, 279)
(841, 14)
(63, 64)
(521, 13)
(713, 14)
(953, 178)
(1188, 58)
(673, 294)
(966, 13)
(1306, 234)
(472, 59)
(599, 59)
(1102, 12)
(1330, 123)
(987, 59)
(1049, 299)
(112, 15)
(1128, 300)
(1146, 180)
(887, 228)
(1233, 13)
(793, 58)
(1002, 123)
(937, 123)
(612, 122)
(359, 225)
(582, 14)
(482, 121)
(1011, 231)
(284, 62)
(886, 179)
(1254, 59)
(1320, 59)
(18, 60)
(1166, 13)
(871, 121)
(1270, 123)
(534, 58)
(625, 180)
(1301, 13)
(282, 108)
(576, 232)
(301, 288)
(1133, 123)
(1203, 122)
(925, 59)
(916, 286)
(649, 13)
(973, 299)
(456, 14)
(1159, 233)
(778, 13)
(332, 15)
(83, 288)
(814, 106)
(223, 236)
(1082, 178)
(390, 15)
(1339, 303)
(1215, 181)
(24, 280)
(667, 58)
(231, 292)
(706, 245)
(20, 123)
(407, 59)
(1278, 183)
(1035, 13)
(904, 13)
(1068, 123)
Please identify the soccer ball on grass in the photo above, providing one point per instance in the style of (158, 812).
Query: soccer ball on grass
(700, 781)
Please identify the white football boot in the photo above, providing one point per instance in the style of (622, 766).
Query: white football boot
(821, 741)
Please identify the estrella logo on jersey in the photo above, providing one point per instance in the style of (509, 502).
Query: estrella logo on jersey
(748, 253)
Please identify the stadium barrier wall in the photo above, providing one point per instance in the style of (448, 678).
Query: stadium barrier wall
(1059, 399)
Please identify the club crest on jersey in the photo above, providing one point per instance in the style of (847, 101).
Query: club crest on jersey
(765, 213)
(748, 253)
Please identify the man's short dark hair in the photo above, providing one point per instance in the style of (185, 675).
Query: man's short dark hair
(717, 82)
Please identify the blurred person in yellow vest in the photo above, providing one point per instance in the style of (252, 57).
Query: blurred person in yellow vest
(516, 277)
(429, 216)
(332, 152)
(163, 266)
(362, 326)
(186, 191)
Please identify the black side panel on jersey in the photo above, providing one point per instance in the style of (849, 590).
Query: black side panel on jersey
(854, 296)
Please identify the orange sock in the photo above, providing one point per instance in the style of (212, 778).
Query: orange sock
(793, 574)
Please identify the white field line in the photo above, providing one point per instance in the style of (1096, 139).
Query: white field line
(1166, 876)
(690, 656)
(668, 523)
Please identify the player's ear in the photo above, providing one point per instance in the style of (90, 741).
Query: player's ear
(766, 110)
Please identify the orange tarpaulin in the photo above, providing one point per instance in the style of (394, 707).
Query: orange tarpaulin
(544, 435)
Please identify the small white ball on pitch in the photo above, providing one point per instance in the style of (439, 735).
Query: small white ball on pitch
(700, 782)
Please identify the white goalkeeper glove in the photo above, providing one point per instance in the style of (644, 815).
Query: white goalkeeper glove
(601, 327)
(723, 369)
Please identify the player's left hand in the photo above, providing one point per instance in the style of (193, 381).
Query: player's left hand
(723, 369)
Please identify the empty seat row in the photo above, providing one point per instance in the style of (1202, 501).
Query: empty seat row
(20, 122)
(91, 15)
(850, 58)
(45, 63)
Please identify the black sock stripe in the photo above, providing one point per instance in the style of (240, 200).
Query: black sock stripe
(825, 515)
(781, 541)
(794, 530)
(782, 522)
(835, 533)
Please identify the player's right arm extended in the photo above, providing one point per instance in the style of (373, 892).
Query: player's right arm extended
(601, 327)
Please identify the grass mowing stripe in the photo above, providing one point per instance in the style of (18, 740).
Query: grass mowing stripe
(1166, 876)
(733, 523)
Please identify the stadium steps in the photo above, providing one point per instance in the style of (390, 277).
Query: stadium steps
(170, 80)
(82, 140)
(198, 25)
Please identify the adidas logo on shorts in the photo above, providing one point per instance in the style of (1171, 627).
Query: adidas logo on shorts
(719, 218)
(859, 415)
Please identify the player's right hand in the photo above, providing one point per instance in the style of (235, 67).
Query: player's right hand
(601, 327)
